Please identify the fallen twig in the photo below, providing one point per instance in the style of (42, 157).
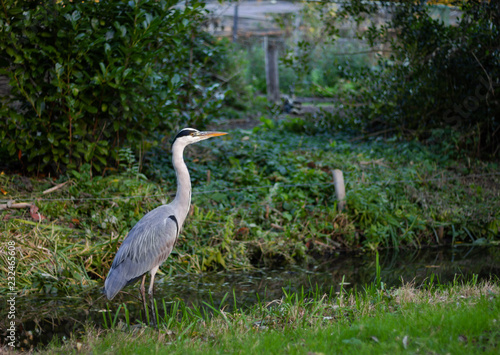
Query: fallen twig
(277, 226)
(323, 244)
(13, 204)
(57, 187)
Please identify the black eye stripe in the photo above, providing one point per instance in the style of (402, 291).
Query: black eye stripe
(184, 132)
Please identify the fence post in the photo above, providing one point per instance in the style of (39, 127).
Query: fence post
(235, 23)
(272, 79)
(338, 181)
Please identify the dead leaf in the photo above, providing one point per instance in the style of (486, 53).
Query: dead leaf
(3, 191)
(34, 213)
(375, 339)
(243, 231)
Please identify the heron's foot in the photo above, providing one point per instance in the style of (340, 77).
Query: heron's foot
(154, 321)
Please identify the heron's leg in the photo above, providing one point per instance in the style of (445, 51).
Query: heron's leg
(151, 297)
(142, 289)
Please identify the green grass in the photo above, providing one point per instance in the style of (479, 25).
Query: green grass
(457, 318)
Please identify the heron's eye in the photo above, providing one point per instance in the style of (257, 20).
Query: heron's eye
(192, 134)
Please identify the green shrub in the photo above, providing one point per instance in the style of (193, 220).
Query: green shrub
(88, 77)
(438, 76)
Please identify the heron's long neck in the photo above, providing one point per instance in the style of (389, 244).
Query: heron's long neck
(183, 196)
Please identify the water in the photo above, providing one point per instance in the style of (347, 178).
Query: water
(45, 316)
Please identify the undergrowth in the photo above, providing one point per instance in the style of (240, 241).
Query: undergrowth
(262, 197)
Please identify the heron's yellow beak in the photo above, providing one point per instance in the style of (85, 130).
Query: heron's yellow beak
(209, 134)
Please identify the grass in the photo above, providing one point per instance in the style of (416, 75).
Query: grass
(261, 197)
(455, 318)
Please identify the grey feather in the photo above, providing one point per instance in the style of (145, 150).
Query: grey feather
(148, 244)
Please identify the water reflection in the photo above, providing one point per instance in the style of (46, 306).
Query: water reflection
(325, 275)
(45, 316)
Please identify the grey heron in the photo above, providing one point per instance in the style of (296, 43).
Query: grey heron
(151, 240)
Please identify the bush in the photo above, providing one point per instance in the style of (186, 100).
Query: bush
(438, 76)
(87, 78)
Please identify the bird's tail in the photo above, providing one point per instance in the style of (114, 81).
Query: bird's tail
(113, 284)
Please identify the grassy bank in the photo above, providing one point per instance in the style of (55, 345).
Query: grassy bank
(262, 197)
(430, 318)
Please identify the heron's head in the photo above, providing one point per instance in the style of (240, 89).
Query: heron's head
(188, 136)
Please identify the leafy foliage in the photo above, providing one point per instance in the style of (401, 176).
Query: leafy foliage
(88, 77)
(439, 76)
(440, 81)
(265, 198)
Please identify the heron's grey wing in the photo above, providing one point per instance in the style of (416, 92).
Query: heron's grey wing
(147, 245)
